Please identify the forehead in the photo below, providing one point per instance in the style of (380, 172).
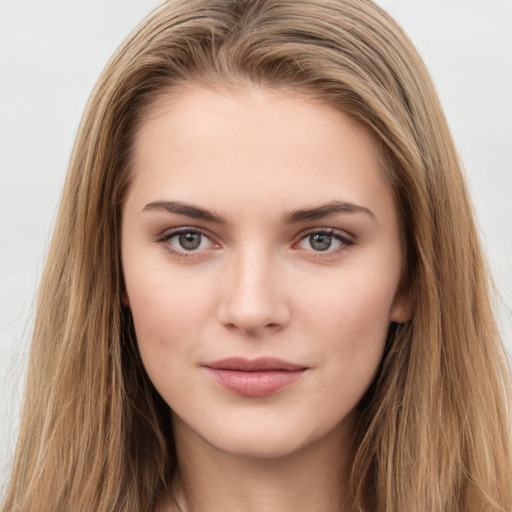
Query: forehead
(275, 147)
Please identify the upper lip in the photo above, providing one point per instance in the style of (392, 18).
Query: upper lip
(253, 365)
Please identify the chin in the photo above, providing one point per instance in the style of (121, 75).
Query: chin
(258, 445)
(270, 437)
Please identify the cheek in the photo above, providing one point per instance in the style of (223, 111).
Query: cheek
(168, 313)
(349, 321)
(352, 303)
(358, 337)
(363, 314)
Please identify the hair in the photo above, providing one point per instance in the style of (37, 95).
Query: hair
(434, 433)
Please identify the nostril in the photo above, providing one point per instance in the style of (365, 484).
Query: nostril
(253, 329)
(252, 303)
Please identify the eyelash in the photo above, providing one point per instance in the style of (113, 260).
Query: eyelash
(345, 241)
(171, 233)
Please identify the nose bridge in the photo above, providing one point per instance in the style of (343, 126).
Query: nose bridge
(253, 293)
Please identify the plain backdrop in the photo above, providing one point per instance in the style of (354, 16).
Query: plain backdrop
(51, 54)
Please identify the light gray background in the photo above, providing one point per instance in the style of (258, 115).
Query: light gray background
(51, 53)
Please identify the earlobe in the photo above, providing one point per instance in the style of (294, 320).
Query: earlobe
(401, 312)
(125, 299)
(402, 309)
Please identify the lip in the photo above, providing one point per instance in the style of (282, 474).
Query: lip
(255, 377)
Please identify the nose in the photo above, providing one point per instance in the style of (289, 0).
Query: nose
(253, 297)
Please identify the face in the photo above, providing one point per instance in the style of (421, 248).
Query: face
(262, 258)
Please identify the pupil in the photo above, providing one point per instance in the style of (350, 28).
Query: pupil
(320, 242)
(190, 241)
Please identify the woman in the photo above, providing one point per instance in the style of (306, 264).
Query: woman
(265, 289)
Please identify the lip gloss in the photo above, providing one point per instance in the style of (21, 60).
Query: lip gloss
(255, 378)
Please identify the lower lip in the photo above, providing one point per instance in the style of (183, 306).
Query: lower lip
(259, 383)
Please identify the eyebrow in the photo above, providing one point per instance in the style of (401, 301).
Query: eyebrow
(325, 210)
(195, 212)
(294, 217)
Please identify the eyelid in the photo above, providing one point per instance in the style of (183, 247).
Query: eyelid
(169, 233)
(339, 233)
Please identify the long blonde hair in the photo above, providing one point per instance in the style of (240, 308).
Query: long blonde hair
(434, 433)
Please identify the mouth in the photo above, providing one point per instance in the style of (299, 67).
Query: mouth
(255, 378)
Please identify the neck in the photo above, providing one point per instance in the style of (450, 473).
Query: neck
(313, 478)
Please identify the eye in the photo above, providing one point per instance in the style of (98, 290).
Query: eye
(326, 240)
(320, 241)
(188, 240)
(181, 241)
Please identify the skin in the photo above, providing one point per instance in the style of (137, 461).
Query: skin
(257, 285)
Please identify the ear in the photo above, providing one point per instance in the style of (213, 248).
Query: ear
(125, 299)
(401, 309)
